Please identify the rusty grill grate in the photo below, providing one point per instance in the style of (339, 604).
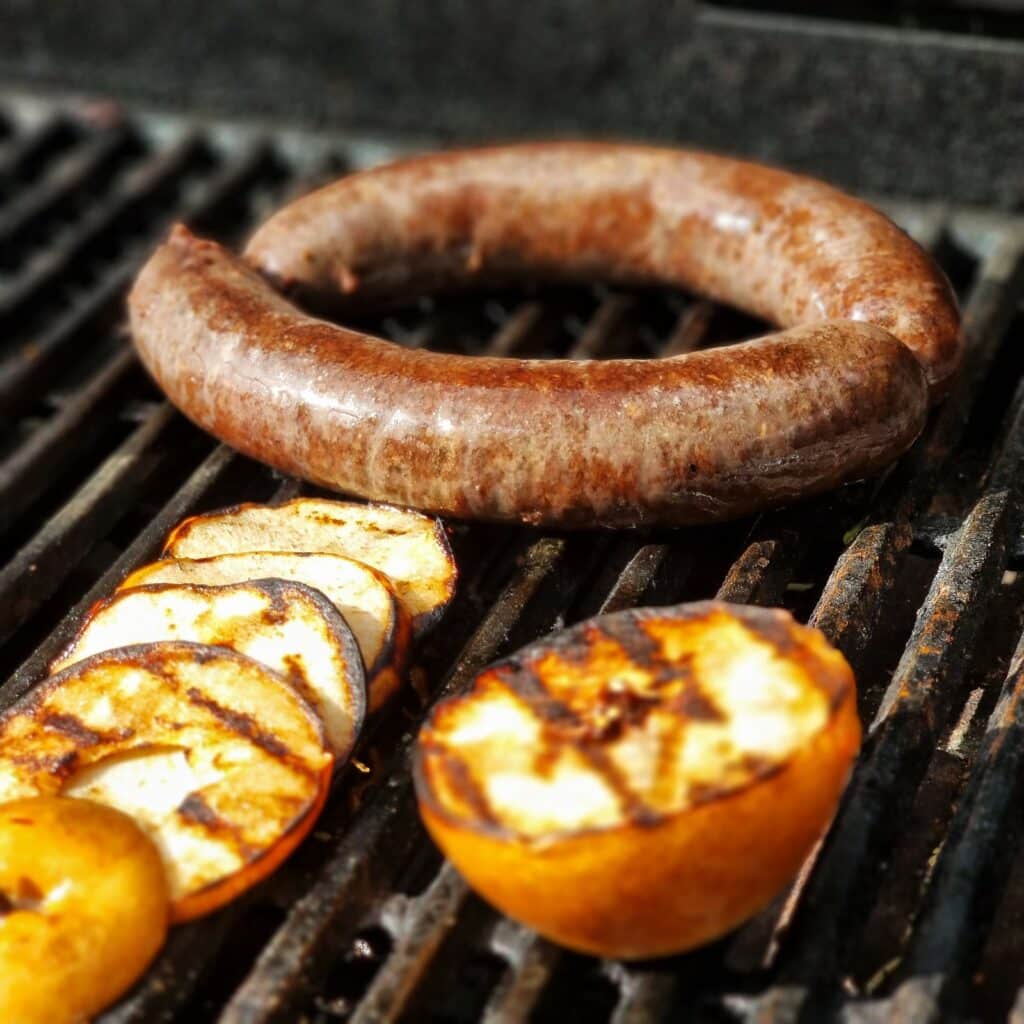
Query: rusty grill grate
(915, 903)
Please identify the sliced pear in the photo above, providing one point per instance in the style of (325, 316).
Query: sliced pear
(362, 595)
(643, 782)
(411, 549)
(288, 627)
(84, 908)
(217, 758)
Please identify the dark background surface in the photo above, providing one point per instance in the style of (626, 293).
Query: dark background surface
(923, 97)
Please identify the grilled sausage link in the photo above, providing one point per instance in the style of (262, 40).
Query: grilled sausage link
(706, 436)
(786, 248)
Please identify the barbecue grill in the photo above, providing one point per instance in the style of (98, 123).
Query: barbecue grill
(913, 907)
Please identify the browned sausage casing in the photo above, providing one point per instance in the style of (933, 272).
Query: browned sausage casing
(696, 438)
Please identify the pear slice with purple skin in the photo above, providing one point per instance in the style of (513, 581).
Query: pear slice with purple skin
(288, 627)
(219, 760)
(363, 595)
(410, 548)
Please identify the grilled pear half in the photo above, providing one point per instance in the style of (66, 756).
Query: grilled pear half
(363, 596)
(411, 549)
(643, 782)
(217, 758)
(84, 908)
(288, 627)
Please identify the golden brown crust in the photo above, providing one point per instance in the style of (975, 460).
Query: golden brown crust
(252, 765)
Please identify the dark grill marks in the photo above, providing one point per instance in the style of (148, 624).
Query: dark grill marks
(244, 725)
(74, 728)
(197, 811)
(461, 781)
(565, 727)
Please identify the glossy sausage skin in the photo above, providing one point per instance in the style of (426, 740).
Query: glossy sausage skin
(696, 438)
(783, 247)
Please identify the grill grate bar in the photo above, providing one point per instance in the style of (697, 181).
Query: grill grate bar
(41, 566)
(28, 151)
(518, 329)
(60, 191)
(916, 706)
(421, 929)
(47, 453)
(964, 870)
(691, 328)
(599, 339)
(145, 546)
(532, 961)
(116, 216)
(848, 608)
(27, 373)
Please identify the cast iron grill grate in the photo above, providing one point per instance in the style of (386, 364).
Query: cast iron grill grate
(914, 902)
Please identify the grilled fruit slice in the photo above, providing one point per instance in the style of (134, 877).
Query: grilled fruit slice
(216, 757)
(411, 549)
(363, 595)
(83, 908)
(289, 627)
(644, 781)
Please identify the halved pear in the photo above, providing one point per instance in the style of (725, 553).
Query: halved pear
(363, 596)
(411, 549)
(84, 908)
(288, 627)
(643, 782)
(217, 758)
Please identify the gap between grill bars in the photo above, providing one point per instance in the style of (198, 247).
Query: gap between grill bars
(912, 576)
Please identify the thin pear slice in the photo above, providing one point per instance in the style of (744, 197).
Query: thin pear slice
(411, 549)
(288, 627)
(218, 758)
(362, 595)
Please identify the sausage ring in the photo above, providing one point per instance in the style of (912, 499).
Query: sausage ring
(702, 437)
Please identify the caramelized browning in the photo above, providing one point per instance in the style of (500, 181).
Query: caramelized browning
(288, 627)
(363, 596)
(641, 783)
(215, 756)
(649, 715)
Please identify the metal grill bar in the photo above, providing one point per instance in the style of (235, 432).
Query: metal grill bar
(102, 223)
(39, 568)
(30, 150)
(78, 175)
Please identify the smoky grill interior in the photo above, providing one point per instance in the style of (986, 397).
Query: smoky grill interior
(914, 904)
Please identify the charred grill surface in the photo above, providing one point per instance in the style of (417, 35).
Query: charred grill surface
(909, 906)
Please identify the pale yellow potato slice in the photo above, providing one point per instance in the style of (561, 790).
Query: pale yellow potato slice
(411, 549)
(216, 757)
(84, 908)
(289, 627)
(363, 596)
